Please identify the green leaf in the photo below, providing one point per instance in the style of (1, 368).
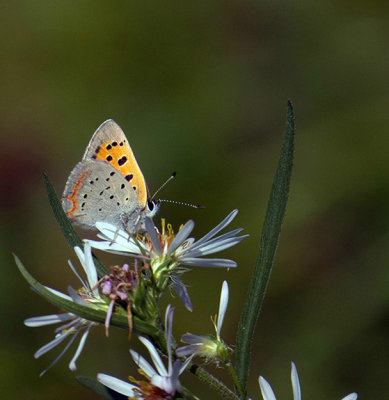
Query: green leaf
(86, 312)
(267, 251)
(67, 228)
(97, 387)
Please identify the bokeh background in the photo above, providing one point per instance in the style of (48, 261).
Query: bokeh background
(201, 88)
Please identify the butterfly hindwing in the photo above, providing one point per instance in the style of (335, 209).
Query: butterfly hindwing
(96, 191)
(109, 144)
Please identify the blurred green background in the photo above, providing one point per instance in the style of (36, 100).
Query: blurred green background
(201, 88)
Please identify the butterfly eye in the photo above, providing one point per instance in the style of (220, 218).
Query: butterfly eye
(152, 208)
(150, 205)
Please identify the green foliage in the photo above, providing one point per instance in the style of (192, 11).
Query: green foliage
(267, 250)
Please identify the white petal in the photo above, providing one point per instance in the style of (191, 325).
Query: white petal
(222, 307)
(169, 327)
(76, 297)
(117, 385)
(184, 351)
(164, 383)
(295, 383)
(60, 355)
(218, 227)
(80, 254)
(72, 364)
(153, 234)
(266, 390)
(193, 339)
(47, 319)
(187, 361)
(115, 240)
(215, 247)
(114, 247)
(181, 236)
(60, 294)
(209, 262)
(74, 324)
(219, 238)
(182, 292)
(155, 356)
(351, 396)
(53, 343)
(90, 268)
(176, 371)
(76, 273)
(143, 364)
(112, 232)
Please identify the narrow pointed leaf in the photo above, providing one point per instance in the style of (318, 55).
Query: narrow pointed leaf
(86, 312)
(67, 228)
(267, 250)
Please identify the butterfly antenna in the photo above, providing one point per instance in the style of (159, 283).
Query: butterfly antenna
(181, 203)
(172, 176)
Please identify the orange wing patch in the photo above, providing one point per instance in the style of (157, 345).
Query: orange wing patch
(121, 157)
(72, 197)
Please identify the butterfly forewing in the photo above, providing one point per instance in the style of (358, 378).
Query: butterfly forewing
(109, 144)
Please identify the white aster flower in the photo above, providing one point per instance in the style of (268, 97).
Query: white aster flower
(73, 325)
(163, 381)
(209, 346)
(178, 248)
(268, 394)
(169, 253)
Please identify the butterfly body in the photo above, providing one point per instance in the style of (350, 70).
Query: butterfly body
(108, 185)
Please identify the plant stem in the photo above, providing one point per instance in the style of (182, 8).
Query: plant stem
(232, 372)
(214, 383)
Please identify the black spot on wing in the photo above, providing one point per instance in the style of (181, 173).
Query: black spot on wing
(122, 161)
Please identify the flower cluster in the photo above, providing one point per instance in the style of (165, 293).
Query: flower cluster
(159, 259)
(156, 260)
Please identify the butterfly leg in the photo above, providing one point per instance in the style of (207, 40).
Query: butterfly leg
(115, 236)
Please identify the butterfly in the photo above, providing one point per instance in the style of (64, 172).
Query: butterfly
(108, 185)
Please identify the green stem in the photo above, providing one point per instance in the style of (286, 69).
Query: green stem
(214, 383)
(232, 372)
